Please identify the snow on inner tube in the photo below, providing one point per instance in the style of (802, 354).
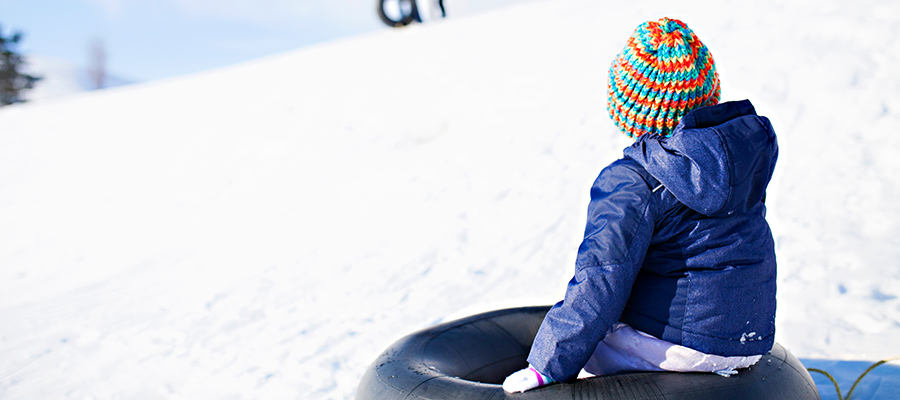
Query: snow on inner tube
(469, 359)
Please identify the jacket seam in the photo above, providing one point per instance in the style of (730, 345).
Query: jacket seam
(597, 264)
(728, 167)
(687, 307)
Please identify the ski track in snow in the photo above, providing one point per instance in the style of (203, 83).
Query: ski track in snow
(266, 230)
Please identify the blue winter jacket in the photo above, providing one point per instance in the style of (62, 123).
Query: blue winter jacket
(676, 245)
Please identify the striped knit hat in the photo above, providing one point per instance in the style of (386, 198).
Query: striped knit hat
(663, 72)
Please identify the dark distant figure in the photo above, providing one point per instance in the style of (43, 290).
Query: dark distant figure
(400, 13)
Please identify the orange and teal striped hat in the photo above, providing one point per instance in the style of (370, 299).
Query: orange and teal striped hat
(663, 72)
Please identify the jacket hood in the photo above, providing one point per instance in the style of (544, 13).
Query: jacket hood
(718, 160)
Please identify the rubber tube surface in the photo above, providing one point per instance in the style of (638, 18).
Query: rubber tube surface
(405, 19)
(469, 359)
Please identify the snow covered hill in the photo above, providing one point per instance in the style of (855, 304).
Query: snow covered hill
(62, 78)
(265, 230)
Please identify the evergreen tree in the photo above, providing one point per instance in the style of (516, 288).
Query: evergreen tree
(12, 79)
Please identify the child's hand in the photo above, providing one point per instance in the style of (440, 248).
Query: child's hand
(526, 379)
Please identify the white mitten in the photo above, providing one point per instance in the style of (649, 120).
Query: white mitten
(526, 379)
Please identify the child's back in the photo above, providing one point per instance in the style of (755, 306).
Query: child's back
(676, 244)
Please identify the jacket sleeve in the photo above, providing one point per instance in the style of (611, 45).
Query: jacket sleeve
(616, 238)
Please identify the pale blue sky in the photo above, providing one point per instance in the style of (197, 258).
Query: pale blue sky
(153, 39)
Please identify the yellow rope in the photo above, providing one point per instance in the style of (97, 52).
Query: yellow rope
(867, 371)
(836, 387)
(852, 388)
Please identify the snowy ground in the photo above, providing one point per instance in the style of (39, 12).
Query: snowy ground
(264, 231)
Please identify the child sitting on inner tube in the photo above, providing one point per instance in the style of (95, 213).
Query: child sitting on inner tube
(677, 268)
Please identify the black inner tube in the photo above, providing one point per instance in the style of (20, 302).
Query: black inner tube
(405, 18)
(469, 359)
